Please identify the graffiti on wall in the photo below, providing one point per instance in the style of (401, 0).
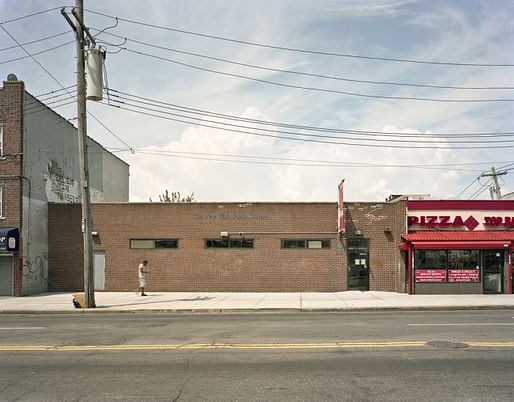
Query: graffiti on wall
(59, 187)
(374, 214)
(35, 268)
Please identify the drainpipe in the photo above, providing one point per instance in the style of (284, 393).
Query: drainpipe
(409, 269)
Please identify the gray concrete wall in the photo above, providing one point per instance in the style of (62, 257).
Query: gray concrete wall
(51, 173)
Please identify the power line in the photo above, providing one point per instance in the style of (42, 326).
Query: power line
(36, 53)
(463, 191)
(202, 112)
(303, 73)
(30, 15)
(388, 141)
(325, 90)
(285, 161)
(61, 85)
(297, 138)
(480, 190)
(289, 49)
(36, 40)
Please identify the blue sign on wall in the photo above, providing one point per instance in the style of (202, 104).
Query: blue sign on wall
(9, 239)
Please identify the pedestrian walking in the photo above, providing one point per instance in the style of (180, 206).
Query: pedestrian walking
(142, 276)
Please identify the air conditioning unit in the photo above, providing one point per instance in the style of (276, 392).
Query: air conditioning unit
(224, 234)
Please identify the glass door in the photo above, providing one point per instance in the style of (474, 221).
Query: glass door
(492, 268)
(358, 264)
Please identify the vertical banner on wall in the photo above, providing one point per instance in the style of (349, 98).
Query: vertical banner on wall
(340, 210)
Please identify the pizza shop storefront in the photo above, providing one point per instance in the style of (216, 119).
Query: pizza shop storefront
(459, 247)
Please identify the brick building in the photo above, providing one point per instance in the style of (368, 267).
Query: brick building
(38, 164)
(253, 247)
(402, 245)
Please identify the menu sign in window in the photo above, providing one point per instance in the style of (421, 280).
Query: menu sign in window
(464, 275)
(430, 275)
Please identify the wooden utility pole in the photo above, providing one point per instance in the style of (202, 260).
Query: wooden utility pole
(89, 283)
(495, 189)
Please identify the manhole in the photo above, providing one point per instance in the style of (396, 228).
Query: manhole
(447, 344)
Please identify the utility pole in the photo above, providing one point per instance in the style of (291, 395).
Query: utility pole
(494, 189)
(80, 29)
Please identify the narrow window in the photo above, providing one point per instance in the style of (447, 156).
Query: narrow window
(305, 243)
(153, 243)
(229, 243)
(1, 201)
(1, 141)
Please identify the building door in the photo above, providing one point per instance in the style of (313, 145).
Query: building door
(492, 263)
(99, 268)
(6, 272)
(358, 264)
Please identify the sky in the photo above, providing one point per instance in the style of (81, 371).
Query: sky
(287, 62)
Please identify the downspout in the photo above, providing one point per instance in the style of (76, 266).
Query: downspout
(409, 269)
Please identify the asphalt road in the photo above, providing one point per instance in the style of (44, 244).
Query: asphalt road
(386, 356)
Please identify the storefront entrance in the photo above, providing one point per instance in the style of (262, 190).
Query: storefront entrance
(358, 264)
(492, 263)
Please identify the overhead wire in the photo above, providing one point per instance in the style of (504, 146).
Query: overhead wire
(161, 116)
(31, 15)
(37, 53)
(61, 85)
(423, 140)
(266, 160)
(317, 89)
(36, 40)
(416, 85)
(290, 49)
(184, 109)
(480, 190)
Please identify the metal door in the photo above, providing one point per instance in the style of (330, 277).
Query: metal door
(99, 268)
(6, 275)
(492, 264)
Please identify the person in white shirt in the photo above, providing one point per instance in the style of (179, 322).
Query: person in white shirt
(142, 276)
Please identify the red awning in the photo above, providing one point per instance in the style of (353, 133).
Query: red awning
(460, 245)
(459, 240)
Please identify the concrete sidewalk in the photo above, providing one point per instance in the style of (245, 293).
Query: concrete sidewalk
(244, 302)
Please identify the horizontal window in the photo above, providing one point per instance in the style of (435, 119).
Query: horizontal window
(430, 259)
(229, 243)
(446, 259)
(305, 243)
(153, 243)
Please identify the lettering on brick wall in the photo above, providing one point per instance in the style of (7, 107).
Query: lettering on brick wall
(228, 216)
(60, 188)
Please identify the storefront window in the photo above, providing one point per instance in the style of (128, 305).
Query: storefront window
(463, 259)
(430, 259)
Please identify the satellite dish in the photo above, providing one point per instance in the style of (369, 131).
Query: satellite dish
(12, 77)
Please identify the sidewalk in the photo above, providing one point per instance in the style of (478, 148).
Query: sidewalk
(245, 302)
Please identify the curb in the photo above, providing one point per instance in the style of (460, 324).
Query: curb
(101, 310)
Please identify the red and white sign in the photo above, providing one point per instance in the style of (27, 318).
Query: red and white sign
(470, 215)
(464, 275)
(430, 275)
(340, 209)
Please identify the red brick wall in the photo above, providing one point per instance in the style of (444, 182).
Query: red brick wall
(65, 248)
(386, 268)
(11, 101)
(192, 267)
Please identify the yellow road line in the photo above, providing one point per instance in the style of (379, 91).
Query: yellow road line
(244, 346)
